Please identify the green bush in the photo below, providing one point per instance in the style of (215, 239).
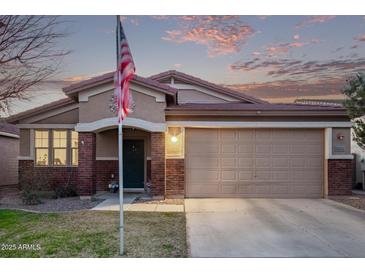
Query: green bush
(30, 197)
(62, 191)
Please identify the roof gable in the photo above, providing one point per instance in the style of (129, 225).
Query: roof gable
(186, 78)
(109, 77)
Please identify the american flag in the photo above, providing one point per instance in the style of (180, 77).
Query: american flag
(125, 72)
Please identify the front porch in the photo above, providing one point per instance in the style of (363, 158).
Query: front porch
(143, 165)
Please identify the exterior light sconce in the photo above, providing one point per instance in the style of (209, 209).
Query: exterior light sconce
(174, 139)
(175, 142)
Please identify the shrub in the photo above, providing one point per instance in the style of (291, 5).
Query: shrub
(30, 197)
(62, 191)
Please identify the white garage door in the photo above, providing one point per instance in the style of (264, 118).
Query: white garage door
(277, 163)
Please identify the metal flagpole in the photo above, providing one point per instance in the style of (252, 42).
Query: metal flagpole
(120, 155)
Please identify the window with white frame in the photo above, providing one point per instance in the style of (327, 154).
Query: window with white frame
(74, 148)
(41, 147)
(57, 147)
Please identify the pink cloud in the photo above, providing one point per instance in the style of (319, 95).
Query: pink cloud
(221, 35)
(318, 19)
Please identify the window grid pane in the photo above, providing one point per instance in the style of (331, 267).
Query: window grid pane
(41, 139)
(74, 139)
(74, 157)
(59, 147)
(59, 156)
(60, 139)
(41, 155)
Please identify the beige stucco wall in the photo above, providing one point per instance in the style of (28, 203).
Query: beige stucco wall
(107, 141)
(9, 160)
(69, 117)
(341, 147)
(98, 107)
(195, 96)
(24, 142)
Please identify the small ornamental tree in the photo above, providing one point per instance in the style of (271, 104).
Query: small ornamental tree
(355, 104)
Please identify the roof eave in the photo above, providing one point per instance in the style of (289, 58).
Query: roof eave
(212, 112)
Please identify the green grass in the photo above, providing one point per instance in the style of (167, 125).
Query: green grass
(92, 234)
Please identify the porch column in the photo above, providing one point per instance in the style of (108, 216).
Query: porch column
(87, 164)
(158, 164)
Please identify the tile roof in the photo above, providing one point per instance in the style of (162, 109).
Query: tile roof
(40, 109)
(108, 77)
(8, 128)
(253, 107)
(219, 88)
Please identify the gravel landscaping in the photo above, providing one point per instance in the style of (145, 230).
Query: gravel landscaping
(357, 201)
(49, 205)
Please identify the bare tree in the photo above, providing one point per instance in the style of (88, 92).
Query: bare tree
(29, 53)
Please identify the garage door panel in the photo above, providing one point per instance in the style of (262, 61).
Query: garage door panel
(263, 135)
(263, 148)
(245, 162)
(203, 162)
(202, 148)
(246, 148)
(277, 163)
(228, 162)
(281, 149)
(203, 175)
(229, 148)
(280, 162)
(229, 189)
(247, 135)
(229, 175)
(229, 135)
(245, 175)
(263, 162)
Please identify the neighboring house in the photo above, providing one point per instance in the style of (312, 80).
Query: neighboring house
(9, 151)
(187, 138)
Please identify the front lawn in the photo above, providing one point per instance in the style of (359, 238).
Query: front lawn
(91, 234)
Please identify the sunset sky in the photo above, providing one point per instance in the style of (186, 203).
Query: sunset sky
(267, 56)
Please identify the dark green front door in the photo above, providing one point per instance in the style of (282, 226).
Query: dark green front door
(133, 163)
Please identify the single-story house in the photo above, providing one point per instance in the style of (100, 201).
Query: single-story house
(187, 138)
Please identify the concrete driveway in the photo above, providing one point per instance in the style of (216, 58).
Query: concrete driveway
(274, 228)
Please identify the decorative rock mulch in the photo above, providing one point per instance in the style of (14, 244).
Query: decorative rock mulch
(357, 201)
(50, 205)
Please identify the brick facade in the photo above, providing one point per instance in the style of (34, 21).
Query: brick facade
(339, 177)
(175, 178)
(46, 178)
(87, 164)
(157, 163)
(104, 169)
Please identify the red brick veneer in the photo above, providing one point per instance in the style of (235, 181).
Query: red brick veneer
(104, 169)
(175, 178)
(158, 163)
(339, 177)
(87, 166)
(46, 178)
